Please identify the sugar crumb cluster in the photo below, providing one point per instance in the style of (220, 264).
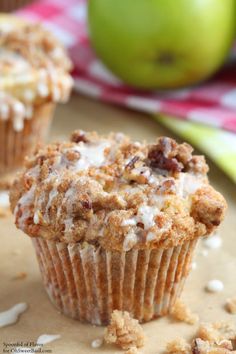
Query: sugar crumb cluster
(125, 332)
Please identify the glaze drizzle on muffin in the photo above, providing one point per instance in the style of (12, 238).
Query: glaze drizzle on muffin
(34, 69)
(116, 193)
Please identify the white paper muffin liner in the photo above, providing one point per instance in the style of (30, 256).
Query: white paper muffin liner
(87, 282)
(15, 145)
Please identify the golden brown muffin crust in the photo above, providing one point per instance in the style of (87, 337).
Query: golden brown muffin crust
(116, 193)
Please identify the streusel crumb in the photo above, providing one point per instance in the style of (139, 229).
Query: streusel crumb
(178, 346)
(124, 331)
(211, 338)
(132, 350)
(20, 276)
(4, 212)
(204, 347)
(119, 194)
(217, 331)
(231, 305)
(181, 312)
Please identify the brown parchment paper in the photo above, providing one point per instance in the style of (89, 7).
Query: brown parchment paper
(17, 255)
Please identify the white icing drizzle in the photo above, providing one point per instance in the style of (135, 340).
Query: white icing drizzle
(213, 242)
(214, 286)
(11, 316)
(24, 203)
(4, 199)
(90, 155)
(47, 338)
(97, 343)
(145, 215)
(52, 82)
(13, 63)
(129, 241)
(188, 184)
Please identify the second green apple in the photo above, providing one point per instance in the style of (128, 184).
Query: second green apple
(162, 43)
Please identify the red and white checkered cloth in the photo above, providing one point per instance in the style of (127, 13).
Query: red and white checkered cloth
(212, 103)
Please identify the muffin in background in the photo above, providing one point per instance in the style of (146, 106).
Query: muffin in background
(34, 76)
(11, 5)
(114, 223)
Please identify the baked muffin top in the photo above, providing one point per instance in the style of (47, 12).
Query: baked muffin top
(34, 69)
(110, 191)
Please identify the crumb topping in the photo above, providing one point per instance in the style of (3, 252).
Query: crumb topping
(124, 331)
(182, 313)
(107, 190)
(217, 331)
(132, 350)
(178, 346)
(34, 69)
(231, 305)
(211, 338)
(204, 347)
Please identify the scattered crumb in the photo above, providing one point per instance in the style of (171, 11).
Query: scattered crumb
(124, 331)
(194, 265)
(178, 346)
(4, 212)
(200, 346)
(132, 350)
(230, 305)
(211, 338)
(214, 286)
(11, 315)
(217, 331)
(20, 276)
(182, 313)
(97, 343)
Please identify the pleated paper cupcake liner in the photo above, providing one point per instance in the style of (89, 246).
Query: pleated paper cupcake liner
(15, 145)
(87, 282)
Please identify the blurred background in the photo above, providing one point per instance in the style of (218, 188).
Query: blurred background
(174, 61)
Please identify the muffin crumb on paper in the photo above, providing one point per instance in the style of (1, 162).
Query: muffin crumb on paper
(211, 338)
(200, 346)
(178, 345)
(217, 331)
(230, 305)
(20, 276)
(132, 350)
(124, 331)
(182, 312)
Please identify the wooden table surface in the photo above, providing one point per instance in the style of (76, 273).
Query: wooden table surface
(17, 255)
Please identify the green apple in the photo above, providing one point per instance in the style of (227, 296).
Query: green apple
(162, 43)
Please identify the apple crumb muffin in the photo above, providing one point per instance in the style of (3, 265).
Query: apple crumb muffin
(126, 215)
(34, 71)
